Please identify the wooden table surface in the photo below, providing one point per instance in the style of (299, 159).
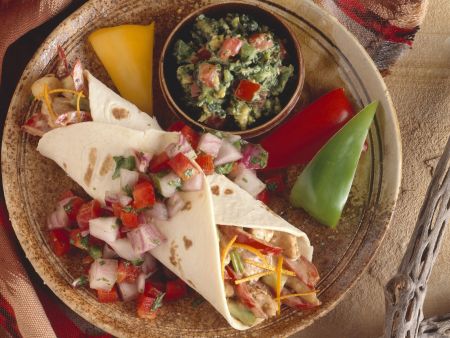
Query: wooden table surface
(420, 88)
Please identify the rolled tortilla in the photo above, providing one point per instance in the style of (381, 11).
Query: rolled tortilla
(108, 107)
(85, 152)
(192, 248)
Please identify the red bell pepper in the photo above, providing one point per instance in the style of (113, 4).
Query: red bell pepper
(127, 272)
(143, 195)
(108, 296)
(300, 138)
(88, 211)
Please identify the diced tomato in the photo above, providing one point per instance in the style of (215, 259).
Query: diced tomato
(117, 209)
(143, 195)
(144, 306)
(77, 240)
(208, 74)
(191, 136)
(129, 218)
(153, 288)
(176, 126)
(60, 241)
(72, 207)
(275, 183)
(261, 41)
(263, 196)
(206, 162)
(127, 272)
(175, 289)
(159, 162)
(108, 296)
(182, 166)
(230, 47)
(244, 237)
(246, 89)
(88, 211)
(203, 54)
(195, 90)
(66, 194)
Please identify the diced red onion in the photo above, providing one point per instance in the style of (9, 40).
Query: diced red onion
(166, 184)
(125, 200)
(251, 152)
(183, 146)
(145, 238)
(150, 264)
(227, 153)
(210, 144)
(104, 228)
(248, 181)
(84, 233)
(141, 282)
(142, 161)
(195, 183)
(58, 218)
(192, 155)
(175, 204)
(233, 138)
(111, 197)
(103, 274)
(128, 178)
(159, 212)
(128, 291)
(108, 252)
(123, 248)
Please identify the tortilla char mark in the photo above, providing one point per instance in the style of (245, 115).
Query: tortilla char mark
(107, 165)
(228, 191)
(187, 206)
(91, 166)
(215, 190)
(187, 242)
(120, 113)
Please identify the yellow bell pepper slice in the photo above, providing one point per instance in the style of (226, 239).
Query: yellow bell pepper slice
(126, 51)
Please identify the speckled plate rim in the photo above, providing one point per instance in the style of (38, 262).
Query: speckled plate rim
(338, 36)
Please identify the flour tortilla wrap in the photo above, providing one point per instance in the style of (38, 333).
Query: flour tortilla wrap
(108, 107)
(85, 152)
(192, 249)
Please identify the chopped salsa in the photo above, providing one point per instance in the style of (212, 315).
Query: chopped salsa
(232, 70)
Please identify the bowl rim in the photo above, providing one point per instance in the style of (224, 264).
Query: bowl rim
(259, 129)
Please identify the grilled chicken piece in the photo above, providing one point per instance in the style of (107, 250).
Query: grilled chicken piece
(288, 243)
(229, 290)
(265, 235)
(263, 297)
(299, 287)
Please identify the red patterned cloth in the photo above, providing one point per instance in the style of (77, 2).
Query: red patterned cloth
(386, 28)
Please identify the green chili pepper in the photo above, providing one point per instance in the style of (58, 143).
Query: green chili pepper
(323, 187)
(236, 262)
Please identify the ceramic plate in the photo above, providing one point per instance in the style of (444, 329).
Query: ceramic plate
(333, 58)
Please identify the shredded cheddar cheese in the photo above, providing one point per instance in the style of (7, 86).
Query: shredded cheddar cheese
(298, 294)
(225, 252)
(255, 276)
(62, 90)
(79, 95)
(252, 250)
(48, 103)
(268, 267)
(278, 289)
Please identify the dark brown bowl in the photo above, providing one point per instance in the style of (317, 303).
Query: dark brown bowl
(173, 92)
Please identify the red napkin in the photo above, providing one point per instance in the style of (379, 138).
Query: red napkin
(386, 28)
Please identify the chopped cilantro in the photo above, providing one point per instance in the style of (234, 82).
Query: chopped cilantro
(95, 252)
(68, 207)
(125, 163)
(158, 301)
(80, 281)
(127, 190)
(128, 208)
(224, 169)
(272, 186)
(261, 158)
(189, 172)
(137, 262)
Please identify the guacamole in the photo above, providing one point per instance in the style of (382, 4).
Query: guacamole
(232, 71)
